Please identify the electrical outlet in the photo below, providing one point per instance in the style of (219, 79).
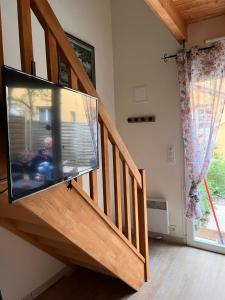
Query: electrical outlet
(172, 228)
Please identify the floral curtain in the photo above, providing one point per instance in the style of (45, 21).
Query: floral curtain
(202, 95)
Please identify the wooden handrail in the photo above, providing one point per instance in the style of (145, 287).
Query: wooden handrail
(106, 219)
(46, 17)
(131, 217)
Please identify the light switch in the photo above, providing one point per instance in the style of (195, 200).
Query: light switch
(171, 154)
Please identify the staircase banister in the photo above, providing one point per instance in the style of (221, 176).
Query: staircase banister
(48, 20)
(106, 219)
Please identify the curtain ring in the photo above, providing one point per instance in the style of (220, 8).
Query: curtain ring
(165, 58)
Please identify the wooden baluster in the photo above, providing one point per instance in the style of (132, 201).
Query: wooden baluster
(53, 71)
(143, 224)
(117, 187)
(105, 170)
(73, 83)
(127, 200)
(79, 180)
(135, 213)
(93, 186)
(47, 18)
(51, 56)
(81, 87)
(25, 34)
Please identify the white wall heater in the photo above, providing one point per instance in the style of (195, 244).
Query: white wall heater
(158, 216)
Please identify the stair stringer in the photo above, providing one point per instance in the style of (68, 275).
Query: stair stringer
(68, 226)
(34, 230)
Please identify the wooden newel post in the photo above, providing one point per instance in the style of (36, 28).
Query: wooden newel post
(143, 224)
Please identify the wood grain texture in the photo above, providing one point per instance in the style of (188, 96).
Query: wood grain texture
(79, 180)
(73, 81)
(135, 214)
(25, 34)
(127, 209)
(73, 84)
(87, 231)
(117, 187)
(47, 18)
(51, 56)
(65, 252)
(82, 226)
(31, 228)
(177, 14)
(8, 225)
(170, 16)
(105, 170)
(195, 11)
(106, 219)
(36, 230)
(143, 223)
(91, 238)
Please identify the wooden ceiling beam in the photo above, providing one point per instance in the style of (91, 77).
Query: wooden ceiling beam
(170, 16)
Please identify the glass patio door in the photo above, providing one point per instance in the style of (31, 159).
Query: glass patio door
(209, 232)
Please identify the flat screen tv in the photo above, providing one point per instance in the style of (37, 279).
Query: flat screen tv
(52, 133)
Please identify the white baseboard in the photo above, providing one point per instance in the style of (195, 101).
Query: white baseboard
(38, 291)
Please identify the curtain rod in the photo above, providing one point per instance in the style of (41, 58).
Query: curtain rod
(166, 57)
(220, 38)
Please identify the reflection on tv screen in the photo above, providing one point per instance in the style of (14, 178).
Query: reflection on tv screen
(52, 133)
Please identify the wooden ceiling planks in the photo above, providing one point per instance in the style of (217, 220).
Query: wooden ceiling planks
(170, 16)
(177, 14)
(198, 10)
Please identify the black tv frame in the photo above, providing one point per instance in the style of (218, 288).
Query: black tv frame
(4, 116)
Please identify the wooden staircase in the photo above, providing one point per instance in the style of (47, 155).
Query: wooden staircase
(70, 225)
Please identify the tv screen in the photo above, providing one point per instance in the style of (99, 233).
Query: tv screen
(52, 133)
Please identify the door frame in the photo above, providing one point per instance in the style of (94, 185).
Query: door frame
(200, 243)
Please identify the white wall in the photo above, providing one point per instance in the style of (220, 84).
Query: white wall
(140, 40)
(23, 267)
(200, 31)
(91, 21)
